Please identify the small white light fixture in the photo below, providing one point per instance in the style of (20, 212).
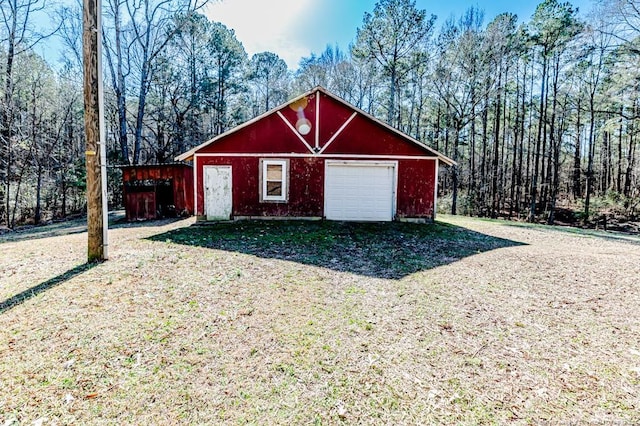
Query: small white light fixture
(303, 126)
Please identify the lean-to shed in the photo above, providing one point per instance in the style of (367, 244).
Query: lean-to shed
(160, 190)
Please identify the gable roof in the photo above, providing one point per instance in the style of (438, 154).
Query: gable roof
(189, 154)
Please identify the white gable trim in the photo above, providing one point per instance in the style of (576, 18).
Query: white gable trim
(317, 121)
(344, 125)
(295, 132)
(435, 190)
(195, 185)
(408, 138)
(189, 154)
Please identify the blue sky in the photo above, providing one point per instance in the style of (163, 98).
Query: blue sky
(295, 28)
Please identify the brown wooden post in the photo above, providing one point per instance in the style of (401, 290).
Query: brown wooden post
(94, 132)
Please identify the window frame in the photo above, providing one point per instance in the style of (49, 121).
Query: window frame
(264, 197)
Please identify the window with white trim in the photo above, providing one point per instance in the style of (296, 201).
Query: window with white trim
(275, 178)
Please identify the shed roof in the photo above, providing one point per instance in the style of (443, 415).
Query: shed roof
(189, 154)
(151, 166)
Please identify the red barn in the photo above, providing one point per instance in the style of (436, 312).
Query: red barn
(316, 156)
(159, 190)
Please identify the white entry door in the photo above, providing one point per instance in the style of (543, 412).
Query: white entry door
(360, 191)
(217, 192)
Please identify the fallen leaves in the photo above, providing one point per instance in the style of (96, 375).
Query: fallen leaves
(202, 333)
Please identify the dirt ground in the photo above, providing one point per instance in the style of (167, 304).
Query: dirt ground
(464, 321)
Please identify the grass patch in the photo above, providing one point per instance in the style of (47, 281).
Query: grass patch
(384, 250)
(460, 322)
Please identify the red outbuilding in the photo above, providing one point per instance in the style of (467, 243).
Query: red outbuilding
(158, 190)
(316, 156)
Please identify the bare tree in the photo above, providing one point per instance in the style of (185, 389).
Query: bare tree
(390, 36)
(270, 77)
(17, 36)
(150, 22)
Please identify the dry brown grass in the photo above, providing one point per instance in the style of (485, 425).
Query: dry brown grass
(485, 323)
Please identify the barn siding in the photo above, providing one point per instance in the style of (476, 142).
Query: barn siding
(306, 186)
(334, 115)
(180, 174)
(416, 188)
(363, 136)
(270, 134)
(339, 132)
(415, 196)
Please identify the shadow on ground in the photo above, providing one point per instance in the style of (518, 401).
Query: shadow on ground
(74, 226)
(383, 250)
(22, 297)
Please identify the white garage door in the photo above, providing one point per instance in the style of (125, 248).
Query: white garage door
(359, 191)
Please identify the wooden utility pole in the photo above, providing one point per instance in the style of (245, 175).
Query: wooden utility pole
(94, 132)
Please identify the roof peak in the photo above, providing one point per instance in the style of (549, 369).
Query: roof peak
(318, 89)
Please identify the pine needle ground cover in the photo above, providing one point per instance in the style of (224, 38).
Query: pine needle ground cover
(461, 322)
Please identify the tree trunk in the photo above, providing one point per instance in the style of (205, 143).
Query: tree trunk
(485, 149)
(472, 157)
(606, 160)
(619, 162)
(577, 157)
(6, 126)
(554, 147)
(520, 193)
(37, 217)
(536, 161)
(454, 172)
(545, 168)
(392, 96)
(516, 136)
(118, 81)
(529, 160)
(506, 120)
(496, 147)
(142, 100)
(121, 91)
(630, 158)
(590, 148)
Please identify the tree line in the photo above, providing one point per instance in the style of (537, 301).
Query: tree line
(541, 116)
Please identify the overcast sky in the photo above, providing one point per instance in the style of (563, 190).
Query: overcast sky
(295, 28)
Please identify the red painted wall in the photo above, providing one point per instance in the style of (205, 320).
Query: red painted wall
(271, 135)
(416, 185)
(181, 174)
(415, 188)
(306, 187)
(363, 136)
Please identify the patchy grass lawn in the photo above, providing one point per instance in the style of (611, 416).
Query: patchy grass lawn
(461, 322)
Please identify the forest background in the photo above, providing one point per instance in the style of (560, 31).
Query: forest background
(541, 116)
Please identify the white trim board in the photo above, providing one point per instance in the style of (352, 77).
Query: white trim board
(195, 186)
(325, 156)
(435, 191)
(340, 130)
(295, 132)
(317, 130)
(317, 91)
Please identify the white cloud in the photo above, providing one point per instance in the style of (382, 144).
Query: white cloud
(266, 25)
